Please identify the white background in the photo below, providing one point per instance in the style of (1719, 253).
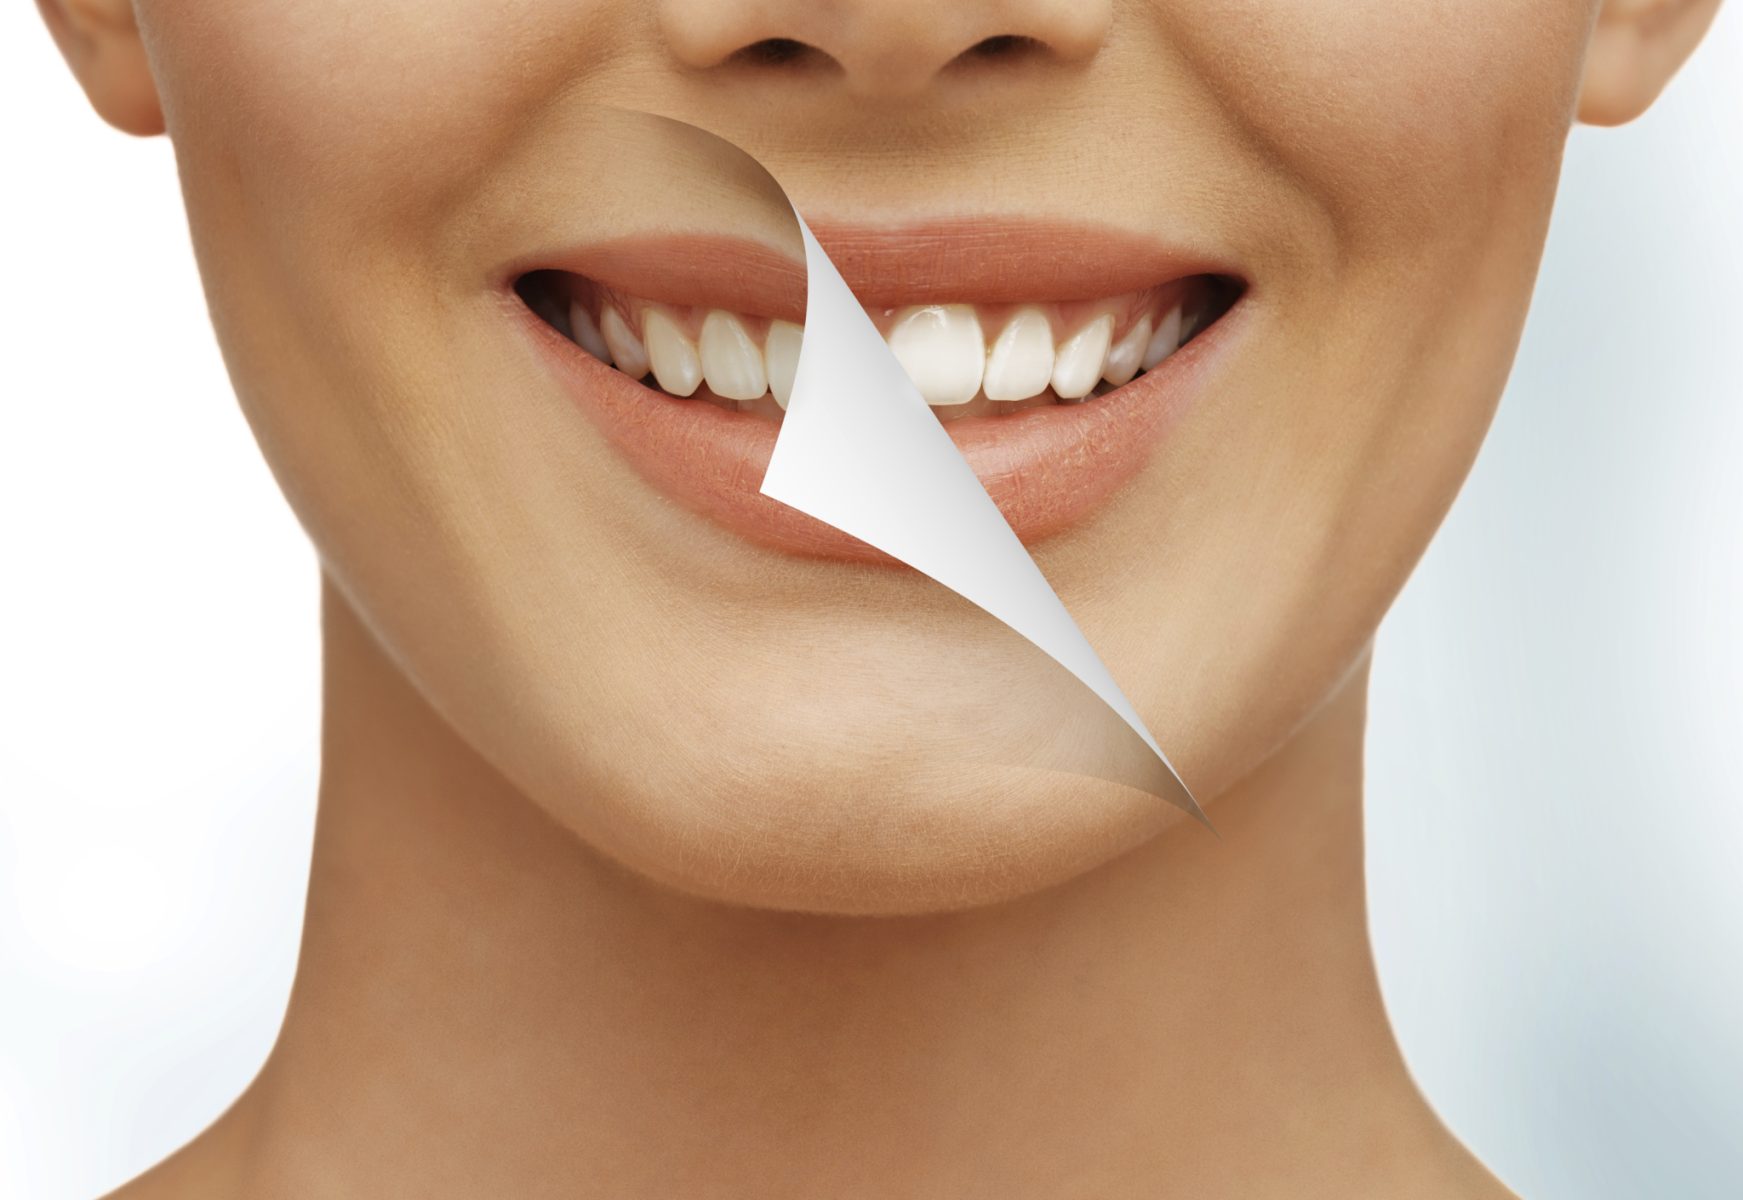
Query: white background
(1556, 764)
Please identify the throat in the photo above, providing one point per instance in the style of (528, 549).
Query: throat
(486, 1006)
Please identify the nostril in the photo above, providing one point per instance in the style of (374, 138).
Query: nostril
(779, 52)
(1004, 45)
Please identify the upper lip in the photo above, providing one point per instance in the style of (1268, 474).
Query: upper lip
(950, 260)
(988, 260)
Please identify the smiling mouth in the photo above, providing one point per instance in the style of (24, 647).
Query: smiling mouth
(1057, 355)
(966, 360)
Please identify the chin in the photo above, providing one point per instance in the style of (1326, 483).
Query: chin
(864, 837)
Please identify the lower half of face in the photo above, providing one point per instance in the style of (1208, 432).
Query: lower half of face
(1217, 299)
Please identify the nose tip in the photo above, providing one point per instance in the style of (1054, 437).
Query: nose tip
(883, 48)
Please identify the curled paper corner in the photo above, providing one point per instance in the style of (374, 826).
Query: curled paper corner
(860, 450)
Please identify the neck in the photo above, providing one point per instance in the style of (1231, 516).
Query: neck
(486, 1007)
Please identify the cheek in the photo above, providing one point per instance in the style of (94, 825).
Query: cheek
(376, 106)
(1396, 115)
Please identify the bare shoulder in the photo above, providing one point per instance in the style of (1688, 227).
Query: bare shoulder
(210, 1166)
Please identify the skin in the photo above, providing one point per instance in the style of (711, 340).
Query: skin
(631, 877)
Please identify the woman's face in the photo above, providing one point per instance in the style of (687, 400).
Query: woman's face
(754, 723)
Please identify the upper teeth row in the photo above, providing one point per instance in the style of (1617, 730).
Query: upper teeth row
(941, 346)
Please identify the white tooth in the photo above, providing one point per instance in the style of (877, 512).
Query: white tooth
(1020, 364)
(677, 369)
(1077, 365)
(627, 351)
(586, 333)
(781, 348)
(1165, 340)
(731, 363)
(941, 348)
(1124, 356)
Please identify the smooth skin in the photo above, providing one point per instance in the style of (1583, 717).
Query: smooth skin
(629, 880)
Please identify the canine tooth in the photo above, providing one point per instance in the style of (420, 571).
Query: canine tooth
(627, 352)
(677, 369)
(586, 332)
(731, 363)
(781, 349)
(1165, 340)
(941, 348)
(1077, 366)
(1125, 355)
(1020, 364)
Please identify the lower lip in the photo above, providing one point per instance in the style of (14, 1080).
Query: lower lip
(1046, 468)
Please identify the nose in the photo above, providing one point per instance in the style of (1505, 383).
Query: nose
(883, 48)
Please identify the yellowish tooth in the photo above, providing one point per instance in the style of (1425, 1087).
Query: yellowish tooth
(1077, 364)
(1166, 339)
(781, 350)
(627, 352)
(1020, 364)
(586, 332)
(1125, 355)
(677, 367)
(731, 363)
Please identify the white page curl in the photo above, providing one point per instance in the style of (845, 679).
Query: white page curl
(860, 450)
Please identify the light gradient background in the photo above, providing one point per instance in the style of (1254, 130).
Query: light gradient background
(1556, 791)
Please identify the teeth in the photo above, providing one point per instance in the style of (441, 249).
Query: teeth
(781, 349)
(1020, 364)
(1165, 340)
(731, 362)
(1190, 316)
(587, 333)
(941, 348)
(627, 352)
(677, 368)
(1123, 355)
(1078, 365)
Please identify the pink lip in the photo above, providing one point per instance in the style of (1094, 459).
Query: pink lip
(1046, 468)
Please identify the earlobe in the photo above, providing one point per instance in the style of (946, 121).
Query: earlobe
(100, 41)
(1637, 46)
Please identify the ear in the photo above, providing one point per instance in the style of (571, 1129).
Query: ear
(1637, 45)
(100, 41)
